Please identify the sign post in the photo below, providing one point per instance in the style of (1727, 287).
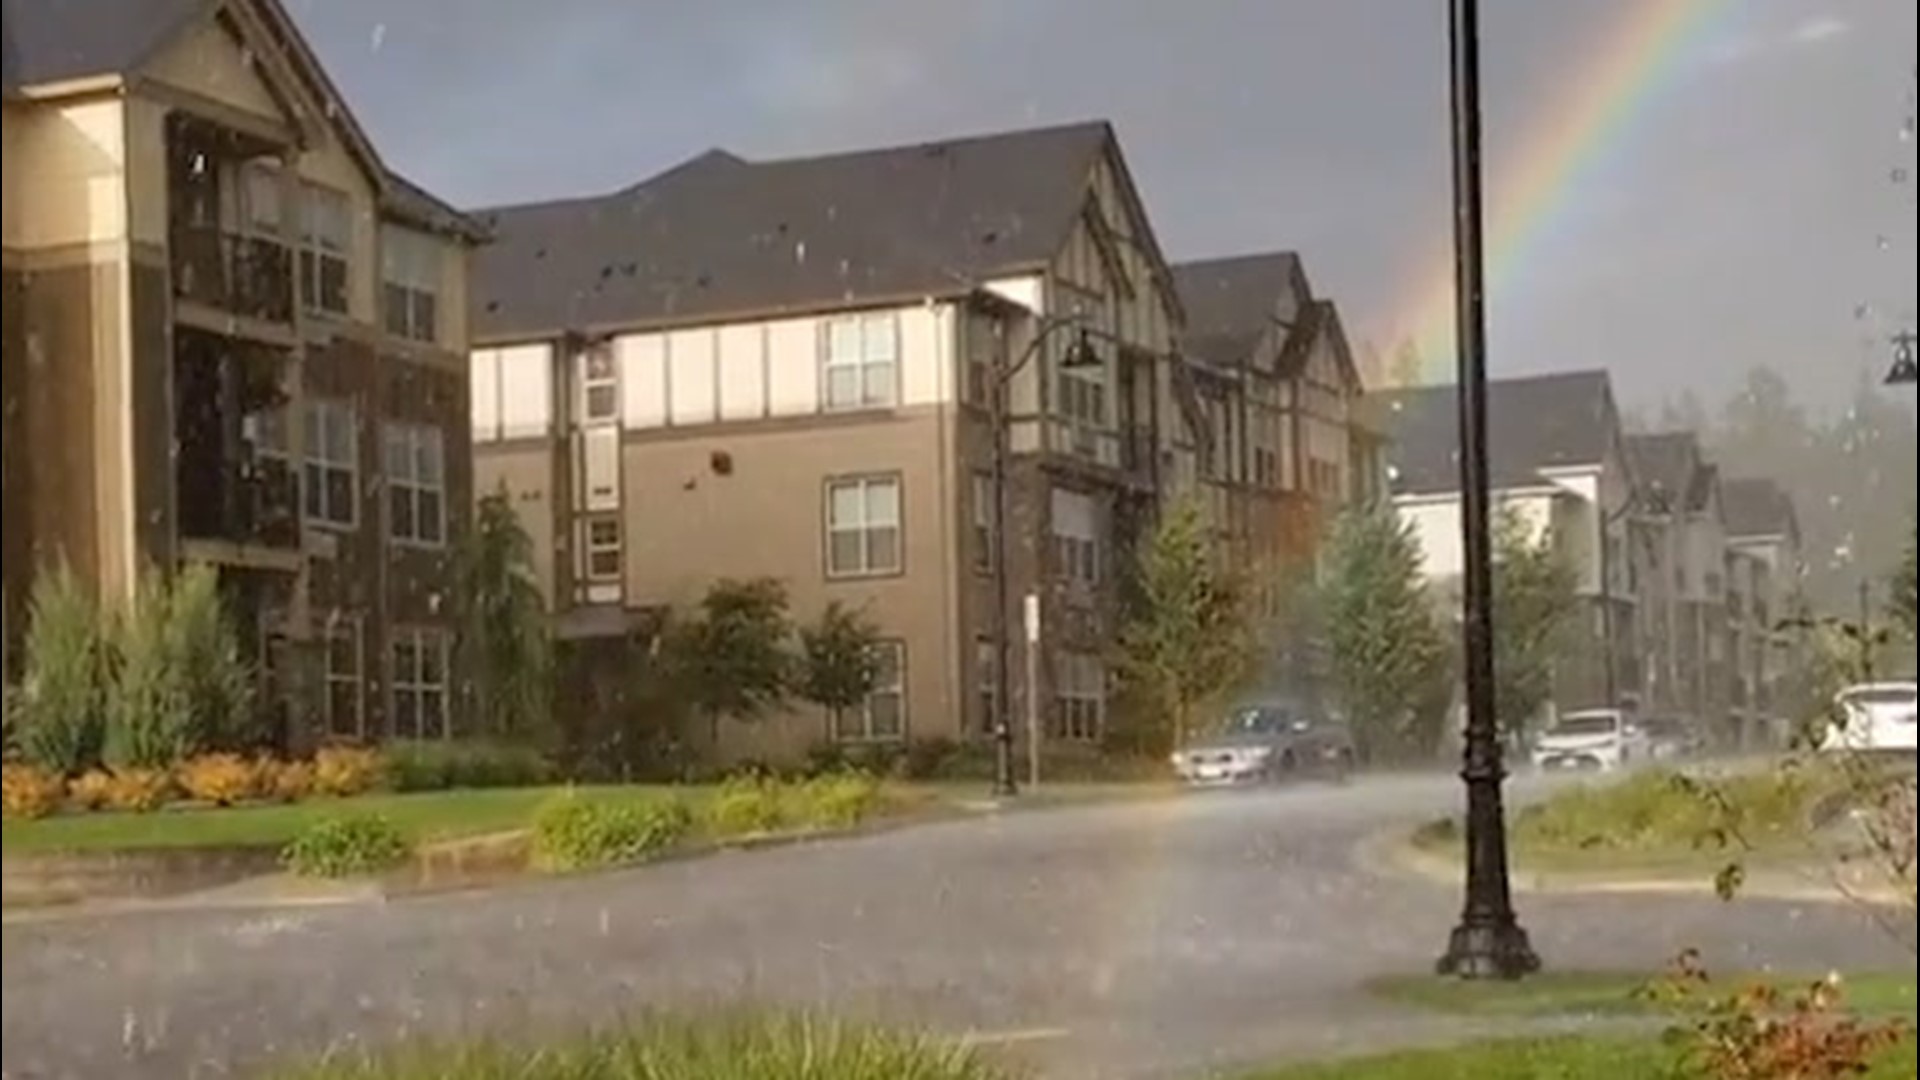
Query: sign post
(1031, 613)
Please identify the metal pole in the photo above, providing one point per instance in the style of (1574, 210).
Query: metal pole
(1004, 785)
(1488, 942)
(1032, 618)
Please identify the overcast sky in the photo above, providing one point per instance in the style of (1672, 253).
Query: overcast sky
(1749, 212)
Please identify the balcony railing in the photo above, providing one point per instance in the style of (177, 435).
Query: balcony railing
(256, 503)
(249, 276)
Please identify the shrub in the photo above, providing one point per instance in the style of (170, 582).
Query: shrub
(29, 791)
(742, 1047)
(571, 832)
(284, 781)
(148, 724)
(54, 713)
(1665, 810)
(435, 765)
(838, 801)
(216, 685)
(135, 790)
(348, 846)
(343, 771)
(931, 758)
(89, 790)
(220, 779)
(747, 805)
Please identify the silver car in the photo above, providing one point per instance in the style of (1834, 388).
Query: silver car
(1266, 742)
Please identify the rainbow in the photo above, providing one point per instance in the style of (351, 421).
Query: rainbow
(1571, 139)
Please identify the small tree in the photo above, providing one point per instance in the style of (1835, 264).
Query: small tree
(1385, 640)
(731, 659)
(837, 664)
(216, 684)
(509, 649)
(1534, 596)
(56, 708)
(148, 725)
(1186, 638)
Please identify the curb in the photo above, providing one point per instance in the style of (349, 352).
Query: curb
(1393, 853)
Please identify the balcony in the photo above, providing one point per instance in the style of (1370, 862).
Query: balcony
(234, 481)
(247, 276)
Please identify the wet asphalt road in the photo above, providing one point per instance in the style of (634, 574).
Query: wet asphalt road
(1126, 941)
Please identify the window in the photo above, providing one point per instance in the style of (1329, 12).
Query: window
(344, 702)
(410, 283)
(862, 362)
(1265, 470)
(419, 684)
(883, 716)
(416, 484)
(984, 509)
(333, 464)
(602, 547)
(986, 675)
(863, 526)
(1079, 697)
(1083, 397)
(326, 238)
(986, 344)
(260, 197)
(599, 385)
(1075, 537)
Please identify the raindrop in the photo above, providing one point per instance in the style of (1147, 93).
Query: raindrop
(379, 36)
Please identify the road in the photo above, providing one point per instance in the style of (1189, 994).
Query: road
(1126, 941)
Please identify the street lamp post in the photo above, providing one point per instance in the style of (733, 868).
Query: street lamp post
(1903, 372)
(1488, 942)
(1080, 355)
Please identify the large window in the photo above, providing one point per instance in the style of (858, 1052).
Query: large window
(863, 526)
(410, 280)
(861, 368)
(1076, 537)
(333, 464)
(419, 684)
(882, 717)
(416, 484)
(1079, 697)
(326, 241)
(346, 717)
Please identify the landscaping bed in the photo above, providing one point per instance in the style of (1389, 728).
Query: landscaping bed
(1573, 1058)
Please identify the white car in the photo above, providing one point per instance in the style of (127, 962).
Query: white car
(1595, 739)
(1873, 717)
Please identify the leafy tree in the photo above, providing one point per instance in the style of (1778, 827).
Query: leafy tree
(1386, 643)
(837, 663)
(1534, 596)
(216, 683)
(1187, 636)
(731, 658)
(1903, 587)
(148, 720)
(55, 713)
(508, 643)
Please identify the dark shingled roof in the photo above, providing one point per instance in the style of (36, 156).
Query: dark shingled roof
(59, 40)
(1232, 302)
(721, 236)
(1756, 507)
(1534, 423)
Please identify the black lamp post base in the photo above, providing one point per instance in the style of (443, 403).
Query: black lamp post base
(1498, 950)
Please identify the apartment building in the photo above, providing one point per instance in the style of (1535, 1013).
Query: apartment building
(1557, 460)
(1679, 505)
(1278, 384)
(233, 336)
(788, 368)
(1767, 564)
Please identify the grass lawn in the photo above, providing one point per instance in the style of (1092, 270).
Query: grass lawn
(1535, 1059)
(1600, 993)
(427, 816)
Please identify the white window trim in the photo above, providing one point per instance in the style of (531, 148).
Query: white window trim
(866, 528)
(410, 263)
(864, 361)
(588, 548)
(588, 383)
(415, 435)
(316, 245)
(314, 461)
(421, 640)
(349, 627)
(862, 714)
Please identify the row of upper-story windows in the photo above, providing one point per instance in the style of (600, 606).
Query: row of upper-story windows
(413, 264)
(414, 474)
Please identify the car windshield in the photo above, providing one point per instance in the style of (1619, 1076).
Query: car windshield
(1589, 724)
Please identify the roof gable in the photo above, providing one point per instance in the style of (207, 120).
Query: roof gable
(1232, 304)
(1756, 507)
(719, 237)
(49, 42)
(1543, 422)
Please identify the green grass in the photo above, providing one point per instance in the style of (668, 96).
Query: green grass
(429, 816)
(1536, 1059)
(1601, 993)
(725, 1049)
